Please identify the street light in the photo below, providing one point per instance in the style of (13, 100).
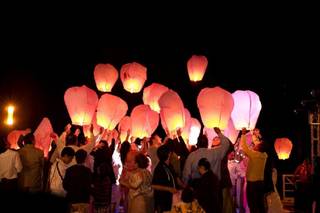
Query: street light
(10, 111)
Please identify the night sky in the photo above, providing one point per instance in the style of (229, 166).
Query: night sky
(35, 78)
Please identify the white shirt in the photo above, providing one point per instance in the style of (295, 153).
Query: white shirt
(10, 164)
(56, 182)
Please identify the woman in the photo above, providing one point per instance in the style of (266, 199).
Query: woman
(188, 203)
(140, 189)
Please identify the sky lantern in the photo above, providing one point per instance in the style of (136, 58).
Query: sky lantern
(197, 66)
(10, 111)
(144, 121)
(151, 95)
(96, 127)
(81, 103)
(172, 111)
(13, 137)
(111, 109)
(194, 133)
(105, 76)
(186, 129)
(247, 107)
(42, 136)
(230, 132)
(123, 127)
(215, 106)
(133, 76)
(283, 147)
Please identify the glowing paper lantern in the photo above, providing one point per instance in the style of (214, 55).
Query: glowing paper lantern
(42, 136)
(105, 76)
(110, 111)
(283, 147)
(194, 131)
(133, 76)
(151, 95)
(247, 107)
(172, 110)
(13, 138)
(96, 127)
(215, 106)
(197, 66)
(186, 129)
(123, 127)
(81, 103)
(144, 121)
(230, 132)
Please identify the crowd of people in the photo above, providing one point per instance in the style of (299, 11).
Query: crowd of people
(153, 175)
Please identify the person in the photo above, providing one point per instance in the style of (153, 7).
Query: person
(155, 142)
(10, 166)
(30, 178)
(140, 189)
(164, 181)
(188, 203)
(58, 171)
(273, 198)
(316, 185)
(77, 183)
(207, 190)
(255, 174)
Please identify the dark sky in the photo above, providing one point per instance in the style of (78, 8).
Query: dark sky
(35, 78)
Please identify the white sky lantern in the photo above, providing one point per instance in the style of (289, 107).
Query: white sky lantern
(81, 103)
(197, 66)
(42, 136)
(215, 106)
(283, 147)
(111, 109)
(124, 126)
(186, 129)
(194, 131)
(144, 121)
(172, 110)
(151, 95)
(105, 76)
(230, 132)
(246, 110)
(133, 76)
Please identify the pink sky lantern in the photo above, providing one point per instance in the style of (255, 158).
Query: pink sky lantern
(111, 109)
(144, 121)
(194, 133)
(133, 76)
(230, 132)
(283, 147)
(151, 95)
(247, 107)
(105, 76)
(42, 136)
(215, 106)
(96, 127)
(172, 110)
(81, 103)
(13, 137)
(197, 66)
(186, 129)
(123, 127)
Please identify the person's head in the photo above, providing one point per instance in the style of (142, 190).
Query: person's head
(81, 156)
(187, 195)
(202, 141)
(29, 138)
(138, 141)
(71, 139)
(155, 140)
(67, 155)
(216, 141)
(203, 166)
(163, 153)
(103, 144)
(256, 131)
(124, 149)
(142, 161)
(259, 147)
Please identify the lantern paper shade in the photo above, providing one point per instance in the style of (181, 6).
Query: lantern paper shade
(123, 127)
(283, 147)
(172, 110)
(96, 127)
(197, 66)
(133, 76)
(81, 103)
(247, 107)
(194, 133)
(13, 138)
(215, 106)
(42, 136)
(230, 132)
(105, 76)
(144, 121)
(186, 129)
(111, 109)
(151, 95)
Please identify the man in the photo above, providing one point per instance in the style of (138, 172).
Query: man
(155, 142)
(31, 177)
(255, 174)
